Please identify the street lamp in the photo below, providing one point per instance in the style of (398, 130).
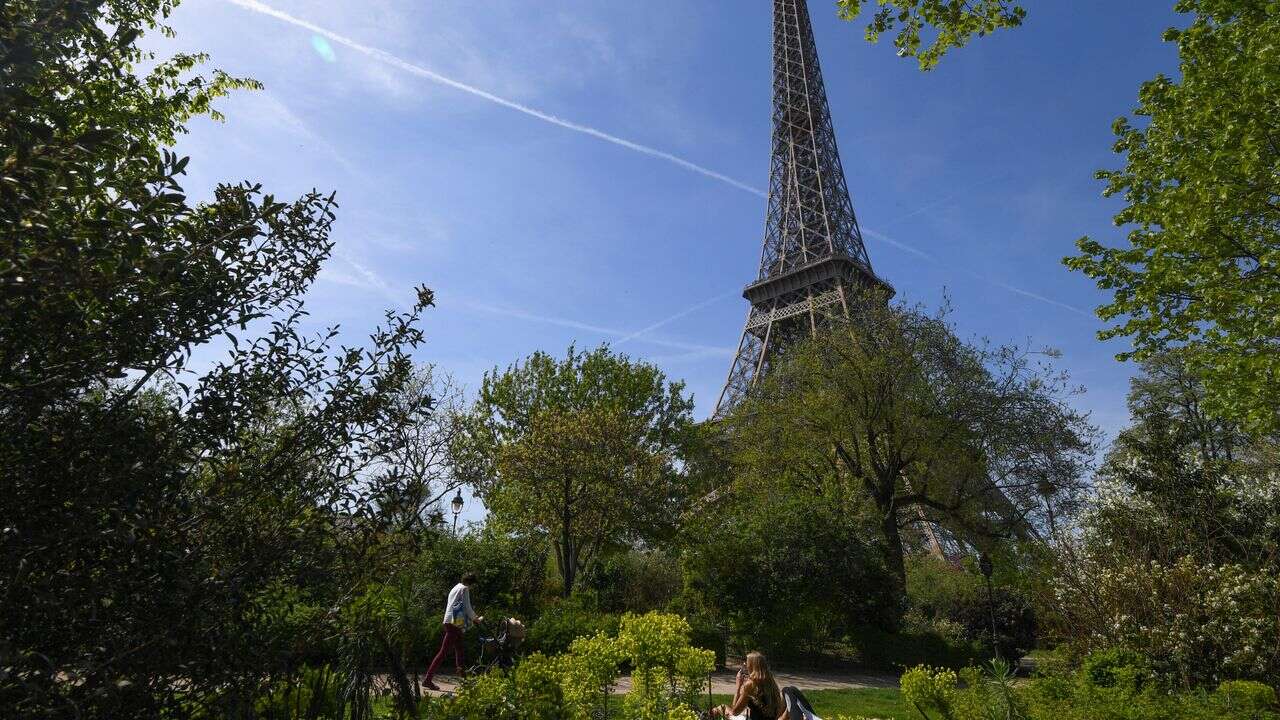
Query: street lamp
(984, 565)
(457, 508)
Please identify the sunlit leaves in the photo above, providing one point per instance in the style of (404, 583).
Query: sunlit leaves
(927, 29)
(589, 449)
(1201, 184)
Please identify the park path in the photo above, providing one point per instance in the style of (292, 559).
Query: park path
(723, 683)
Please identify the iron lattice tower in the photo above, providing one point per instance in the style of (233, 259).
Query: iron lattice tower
(814, 263)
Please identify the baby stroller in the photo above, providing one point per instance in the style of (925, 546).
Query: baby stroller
(499, 650)
(798, 707)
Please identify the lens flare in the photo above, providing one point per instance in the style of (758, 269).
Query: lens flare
(323, 48)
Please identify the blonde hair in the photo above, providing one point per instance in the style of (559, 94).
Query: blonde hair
(766, 687)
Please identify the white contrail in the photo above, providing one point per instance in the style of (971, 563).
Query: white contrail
(1011, 288)
(1034, 296)
(672, 318)
(405, 65)
(392, 60)
(600, 330)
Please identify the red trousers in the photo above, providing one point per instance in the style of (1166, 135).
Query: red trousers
(452, 639)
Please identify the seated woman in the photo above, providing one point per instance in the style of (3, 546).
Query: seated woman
(757, 697)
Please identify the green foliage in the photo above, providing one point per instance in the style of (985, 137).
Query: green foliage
(1175, 557)
(927, 689)
(1116, 667)
(162, 523)
(1198, 623)
(877, 648)
(894, 416)
(315, 693)
(754, 558)
(952, 22)
(1248, 695)
(990, 695)
(510, 569)
(1199, 184)
(667, 676)
(952, 602)
(549, 442)
(564, 622)
(634, 580)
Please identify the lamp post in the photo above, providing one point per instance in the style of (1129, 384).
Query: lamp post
(984, 564)
(457, 508)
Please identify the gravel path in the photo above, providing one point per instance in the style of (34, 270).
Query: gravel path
(723, 683)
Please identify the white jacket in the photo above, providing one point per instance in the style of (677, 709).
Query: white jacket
(457, 610)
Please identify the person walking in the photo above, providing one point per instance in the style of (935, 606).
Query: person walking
(458, 617)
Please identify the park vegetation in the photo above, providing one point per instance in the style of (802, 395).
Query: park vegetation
(262, 536)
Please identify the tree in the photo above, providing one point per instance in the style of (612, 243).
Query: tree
(159, 526)
(1199, 486)
(1201, 271)
(953, 22)
(420, 473)
(1176, 555)
(787, 569)
(894, 413)
(587, 450)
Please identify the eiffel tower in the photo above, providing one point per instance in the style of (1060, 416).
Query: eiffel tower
(814, 264)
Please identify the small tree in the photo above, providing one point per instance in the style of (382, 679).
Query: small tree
(419, 473)
(587, 450)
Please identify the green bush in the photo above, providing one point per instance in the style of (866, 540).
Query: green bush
(950, 598)
(938, 694)
(788, 573)
(633, 581)
(873, 647)
(706, 634)
(667, 673)
(559, 625)
(314, 693)
(1247, 695)
(1116, 667)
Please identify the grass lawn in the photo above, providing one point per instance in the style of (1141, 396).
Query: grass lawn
(885, 703)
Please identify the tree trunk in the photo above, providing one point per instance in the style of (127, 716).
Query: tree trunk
(569, 560)
(569, 569)
(893, 554)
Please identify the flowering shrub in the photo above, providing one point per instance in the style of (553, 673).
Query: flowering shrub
(1199, 623)
(926, 689)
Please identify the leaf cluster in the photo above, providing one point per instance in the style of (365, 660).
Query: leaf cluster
(952, 23)
(1201, 187)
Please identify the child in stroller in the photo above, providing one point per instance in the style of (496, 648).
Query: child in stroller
(499, 650)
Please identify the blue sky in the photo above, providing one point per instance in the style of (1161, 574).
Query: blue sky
(458, 135)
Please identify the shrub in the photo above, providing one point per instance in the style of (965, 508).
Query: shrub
(951, 599)
(1198, 623)
(788, 572)
(667, 674)
(314, 693)
(558, 626)
(974, 695)
(706, 634)
(1116, 667)
(1247, 695)
(874, 647)
(633, 581)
